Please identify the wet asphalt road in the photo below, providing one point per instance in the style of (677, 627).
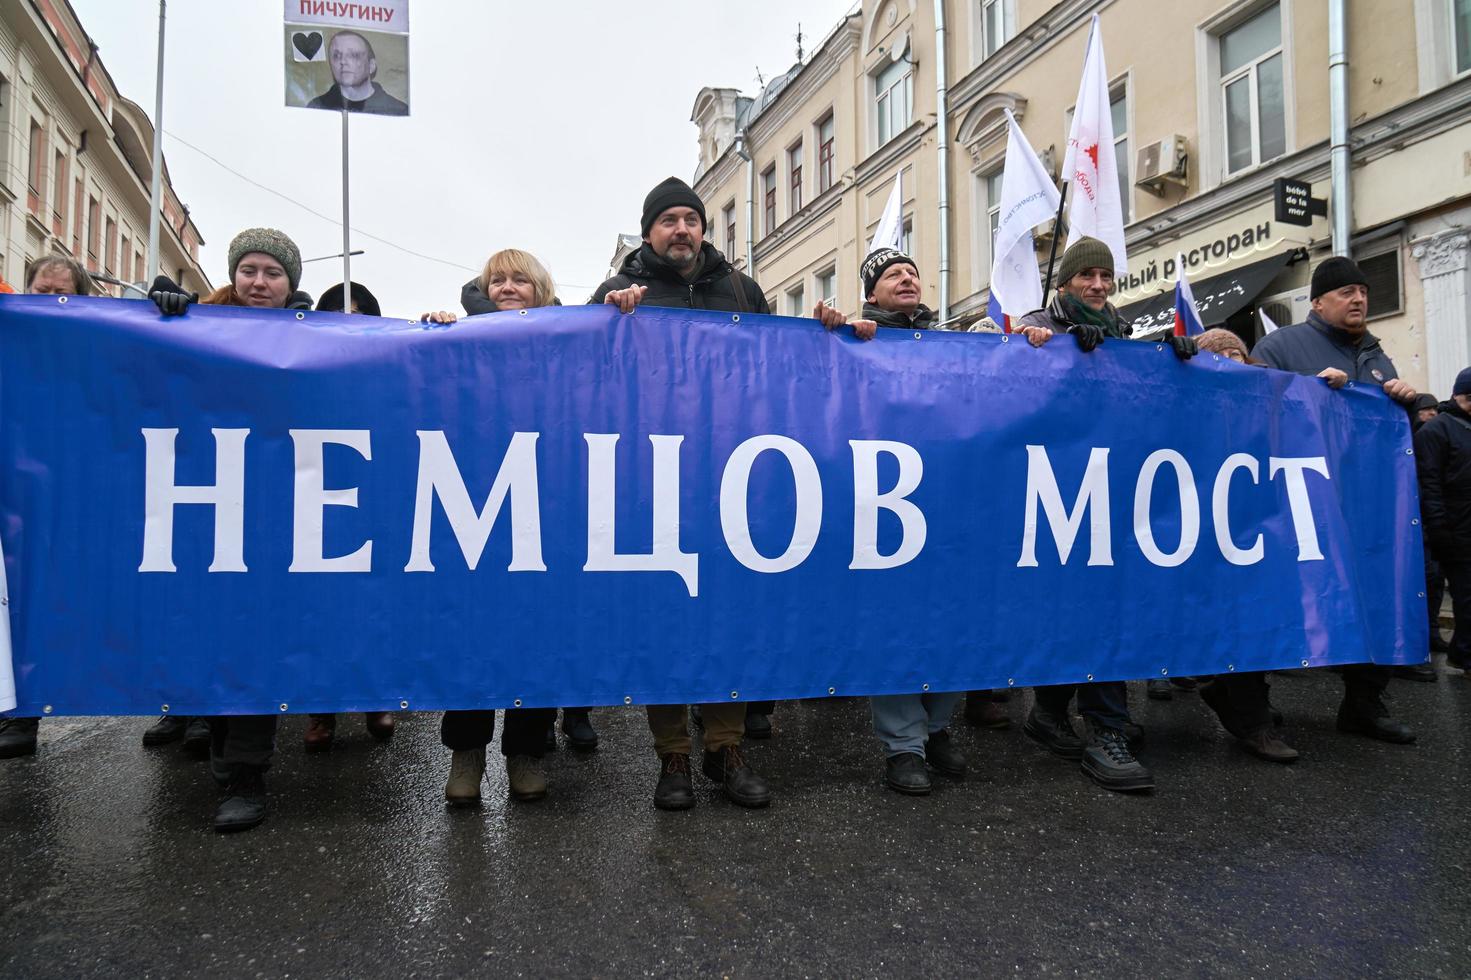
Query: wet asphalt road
(1353, 862)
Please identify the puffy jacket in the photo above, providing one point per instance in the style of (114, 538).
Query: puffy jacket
(1311, 346)
(1443, 462)
(717, 286)
(923, 318)
(1057, 319)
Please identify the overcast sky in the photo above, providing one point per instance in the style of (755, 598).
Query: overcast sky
(538, 126)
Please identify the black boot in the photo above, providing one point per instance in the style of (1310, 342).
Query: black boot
(577, 726)
(18, 737)
(905, 773)
(1371, 718)
(245, 801)
(742, 785)
(1055, 734)
(1416, 672)
(1159, 689)
(674, 791)
(1110, 763)
(758, 725)
(942, 755)
(169, 728)
(196, 738)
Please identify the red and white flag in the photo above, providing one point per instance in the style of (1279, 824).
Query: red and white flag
(1090, 166)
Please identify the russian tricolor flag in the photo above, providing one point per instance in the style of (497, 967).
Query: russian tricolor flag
(993, 310)
(1187, 317)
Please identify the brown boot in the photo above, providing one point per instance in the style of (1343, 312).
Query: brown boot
(380, 724)
(982, 711)
(1267, 744)
(319, 732)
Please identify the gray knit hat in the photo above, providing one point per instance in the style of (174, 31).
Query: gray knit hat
(270, 242)
(1085, 253)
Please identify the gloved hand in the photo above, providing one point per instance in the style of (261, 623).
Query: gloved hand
(1185, 347)
(1087, 335)
(170, 297)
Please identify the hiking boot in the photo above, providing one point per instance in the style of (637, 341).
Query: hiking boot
(906, 773)
(1110, 763)
(380, 724)
(577, 726)
(758, 725)
(1159, 689)
(245, 801)
(942, 756)
(1416, 672)
(466, 770)
(1267, 744)
(1372, 719)
(1055, 734)
(319, 732)
(169, 728)
(728, 767)
(526, 778)
(675, 791)
(197, 738)
(1184, 683)
(18, 737)
(983, 711)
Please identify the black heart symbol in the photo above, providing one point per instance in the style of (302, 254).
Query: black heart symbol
(307, 44)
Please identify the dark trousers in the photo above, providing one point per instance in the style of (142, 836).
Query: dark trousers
(760, 707)
(243, 740)
(1434, 593)
(1458, 579)
(525, 730)
(1363, 687)
(1102, 705)
(1242, 701)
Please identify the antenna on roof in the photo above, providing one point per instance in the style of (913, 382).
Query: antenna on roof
(799, 42)
(760, 82)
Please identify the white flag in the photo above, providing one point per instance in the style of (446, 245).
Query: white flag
(1090, 167)
(890, 232)
(1028, 198)
(1267, 325)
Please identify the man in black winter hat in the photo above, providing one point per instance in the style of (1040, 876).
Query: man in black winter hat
(1443, 462)
(1334, 343)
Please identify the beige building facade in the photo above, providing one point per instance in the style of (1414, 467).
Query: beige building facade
(1214, 101)
(76, 158)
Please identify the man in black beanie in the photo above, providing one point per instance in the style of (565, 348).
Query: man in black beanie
(1334, 344)
(1443, 462)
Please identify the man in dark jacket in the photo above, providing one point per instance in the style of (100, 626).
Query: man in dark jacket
(1334, 344)
(676, 267)
(354, 67)
(1443, 461)
(1085, 277)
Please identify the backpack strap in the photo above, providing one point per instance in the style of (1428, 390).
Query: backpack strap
(739, 289)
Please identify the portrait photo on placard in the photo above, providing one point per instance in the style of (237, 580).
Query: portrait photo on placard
(338, 68)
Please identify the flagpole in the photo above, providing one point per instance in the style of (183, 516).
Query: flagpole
(346, 229)
(1052, 253)
(155, 179)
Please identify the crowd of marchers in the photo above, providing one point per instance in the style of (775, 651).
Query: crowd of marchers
(677, 267)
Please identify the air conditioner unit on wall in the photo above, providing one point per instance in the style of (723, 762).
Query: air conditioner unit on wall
(1286, 308)
(1158, 164)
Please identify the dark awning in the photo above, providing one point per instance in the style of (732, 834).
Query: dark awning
(1217, 297)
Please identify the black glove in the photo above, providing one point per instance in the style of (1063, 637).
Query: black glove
(170, 297)
(1087, 335)
(1185, 347)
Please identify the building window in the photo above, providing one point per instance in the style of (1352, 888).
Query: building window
(797, 301)
(139, 270)
(794, 171)
(34, 174)
(1118, 106)
(1252, 97)
(78, 216)
(825, 153)
(1383, 273)
(125, 255)
(893, 90)
(768, 196)
(58, 196)
(110, 266)
(827, 286)
(906, 238)
(94, 233)
(1461, 28)
(727, 216)
(998, 24)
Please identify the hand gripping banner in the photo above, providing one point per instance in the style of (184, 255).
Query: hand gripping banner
(247, 511)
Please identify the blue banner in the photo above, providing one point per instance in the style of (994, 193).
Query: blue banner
(246, 511)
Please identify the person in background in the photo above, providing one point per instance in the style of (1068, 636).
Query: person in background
(363, 301)
(1427, 407)
(1443, 463)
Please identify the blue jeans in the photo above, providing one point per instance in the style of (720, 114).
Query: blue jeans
(904, 722)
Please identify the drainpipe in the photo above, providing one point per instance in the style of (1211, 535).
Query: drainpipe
(942, 146)
(1338, 111)
(750, 212)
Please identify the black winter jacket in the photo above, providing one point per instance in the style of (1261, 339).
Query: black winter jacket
(923, 319)
(1311, 346)
(718, 286)
(1443, 462)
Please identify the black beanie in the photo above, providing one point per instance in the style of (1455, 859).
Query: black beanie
(672, 193)
(873, 267)
(1335, 273)
(1463, 383)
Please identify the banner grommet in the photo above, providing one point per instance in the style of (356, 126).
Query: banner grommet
(517, 703)
(1304, 663)
(1090, 677)
(164, 708)
(46, 710)
(832, 690)
(735, 318)
(1006, 338)
(924, 687)
(734, 695)
(283, 705)
(300, 315)
(628, 700)
(1415, 521)
(61, 300)
(403, 705)
(1230, 668)
(1164, 672)
(917, 335)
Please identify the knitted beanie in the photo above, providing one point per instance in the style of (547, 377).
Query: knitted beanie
(270, 242)
(1085, 253)
(873, 267)
(1463, 383)
(1335, 273)
(672, 193)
